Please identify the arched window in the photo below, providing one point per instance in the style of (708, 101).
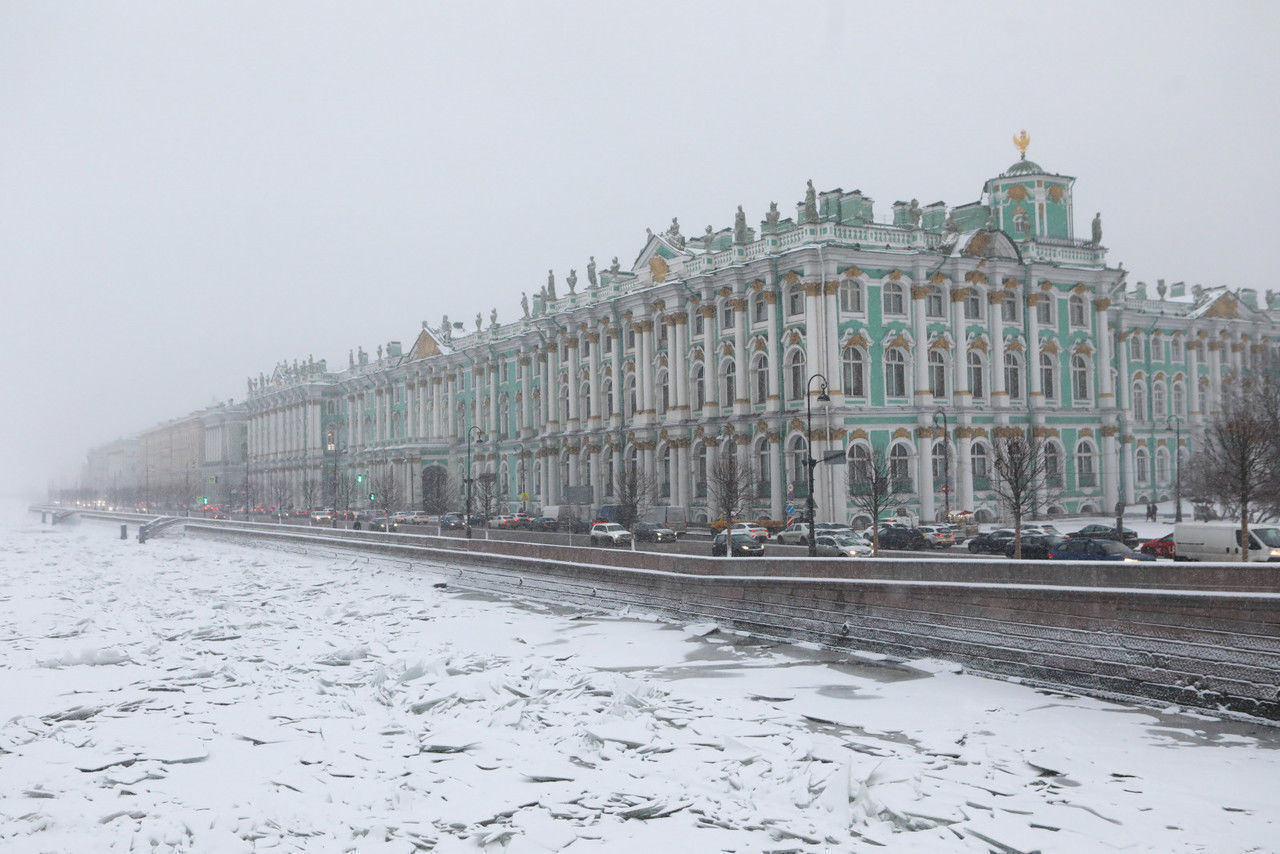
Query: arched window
(1009, 307)
(1140, 401)
(664, 472)
(972, 304)
(1157, 401)
(937, 374)
(1075, 309)
(564, 404)
(699, 386)
(1135, 346)
(584, 394)
(851, 297)
(1079, 378)
(1086, 473)
(1175, 350)
(664, 393)
(1013, 375)
(980, 462)
(900, 468)
(1179, 399)
(729, 383)
(860, 470)
(977, 375)
(795, 301)
(935, 304)
(607, 394)
(759, 309)
(1052, 465)
(1044, 310)
(700, 470)
(1162, 465)
(940, 464)
(764, 472)
(630, 396)
(891, 299)
(895, 373)
(1048, 373)
(799, 464)
(1140, 473)
(726, 315)
(853, 370)
(795, 375)
(760, 373)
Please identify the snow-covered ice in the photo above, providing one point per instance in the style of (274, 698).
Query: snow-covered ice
(193, 695)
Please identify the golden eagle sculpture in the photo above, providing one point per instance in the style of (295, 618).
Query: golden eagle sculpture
(1022, 140)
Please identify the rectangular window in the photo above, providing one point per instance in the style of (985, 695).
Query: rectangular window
(1044, 311)
(972, 305)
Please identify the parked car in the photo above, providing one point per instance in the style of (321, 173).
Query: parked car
(524, 520)
(751, 529)
(1221, 541)
(992, 542)
(1037, 546)
(648, 532)
(1161, 547)
(609, 533)
(321, 517)
(1088, 548)
(381, 523)
(744, 545)
(835, 545)
(897, 537)
(938, 536)
(545, 523)
(506, 520)
(1128, 536)
(452, 520)
(795, 534)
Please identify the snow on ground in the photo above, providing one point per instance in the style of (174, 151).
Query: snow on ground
(191, 695)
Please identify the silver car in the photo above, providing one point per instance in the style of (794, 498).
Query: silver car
(845, 545)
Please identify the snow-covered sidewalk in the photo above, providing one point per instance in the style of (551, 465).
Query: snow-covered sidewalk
(190, 695)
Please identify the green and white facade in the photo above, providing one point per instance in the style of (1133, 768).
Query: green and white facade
(992, 312)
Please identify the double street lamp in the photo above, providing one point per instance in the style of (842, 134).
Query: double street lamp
(946, 462)
(479, 437)
(823, 397)
(1175, 422)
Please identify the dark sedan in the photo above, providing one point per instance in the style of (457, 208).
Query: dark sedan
(647, 532)
(744, 545)
(992, 542)
(451, 520)
(903, 538)
(381, 523)
(1106, 532)
(1037, 546)
(1086, 548)
(544, 523)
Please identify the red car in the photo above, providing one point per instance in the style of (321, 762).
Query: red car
(1159, 547)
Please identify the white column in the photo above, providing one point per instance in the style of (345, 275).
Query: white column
(960, 359)
(924, 470)
(1215, 375)
(995, 323)
(777, 488)
(742, 390)
(923, 396)
(964, 472)
(711, 361)
(593, 385)
(775, 356)
(831, 350)
(1193, 379)
(575, 422)
(1035, 389)
(1106, 388)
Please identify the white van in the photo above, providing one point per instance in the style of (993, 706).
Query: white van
(1220, 541)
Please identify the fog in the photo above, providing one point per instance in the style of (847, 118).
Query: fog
(194, 192)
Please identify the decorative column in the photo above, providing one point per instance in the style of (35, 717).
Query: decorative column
(1110, 466)
(960, 360)
(924, 471)
(615, 418)
(777, 488)
(677, 369)
(1106, 387)
(493, 401)
(1193, 380)
(775, 352)
(710, 362)
(920, 354)
(742, 390)
(813, 346)
(1035, 388)
(995, 324)
(964, 467)
(644, 372)
(1215, 375)
(831, 336)
(575, 423)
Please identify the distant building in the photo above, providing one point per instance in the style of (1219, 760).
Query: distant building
(992, 312)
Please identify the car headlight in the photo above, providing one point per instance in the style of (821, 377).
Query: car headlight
(1132, 560)
(1275, 552)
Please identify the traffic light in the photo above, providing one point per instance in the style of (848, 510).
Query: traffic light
(372, 496)
(359, 478)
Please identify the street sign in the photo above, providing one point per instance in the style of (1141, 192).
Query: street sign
(524, 496)
(790, 509)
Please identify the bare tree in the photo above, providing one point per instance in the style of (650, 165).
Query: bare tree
(872, 487)
(634, 491)
(730, 485)
(486, 496)
(1236, 461)
(310, 490)
(278, 490)
(439, 492)
(385, 487)
(1021, 473)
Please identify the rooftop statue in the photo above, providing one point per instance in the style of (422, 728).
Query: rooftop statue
(479, 322)
(810, 202)
(1097, 229)
(740, 226)
(950, 225)
(551, 284)
(708, 238)
(379, 352)
(572, 280)
(351, 358)
(592, 281)
(524, 303)
(615, 266)
(673, 234)
(914, 213)
(493, 317)
(772, 216)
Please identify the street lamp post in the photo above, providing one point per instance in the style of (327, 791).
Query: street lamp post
(811, 462)
(946, 462)
(1175, 421)
(479, 436)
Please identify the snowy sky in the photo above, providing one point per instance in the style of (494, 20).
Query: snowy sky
(193, 192)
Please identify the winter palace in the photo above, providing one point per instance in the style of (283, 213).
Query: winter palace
(934, 331)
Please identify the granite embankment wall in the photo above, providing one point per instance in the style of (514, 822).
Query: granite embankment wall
(1205, 635)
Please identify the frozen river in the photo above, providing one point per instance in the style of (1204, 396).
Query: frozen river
(195, 696)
